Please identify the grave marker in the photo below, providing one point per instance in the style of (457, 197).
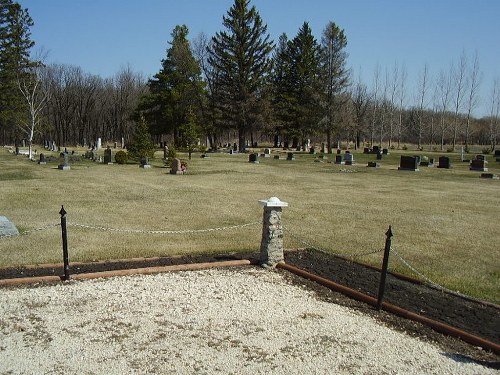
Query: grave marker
(65, 162)
(348, 158)
(408, 163)
(145, 163)
(253, 158)
(373, 164)
(290, 156)
(478, 164)
(108, 156)
(42, 160)
(7, 228)
(444, 162)
(176, 167)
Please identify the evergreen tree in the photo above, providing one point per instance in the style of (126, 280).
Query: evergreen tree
(176, 90)
(191, 132)
(141, 146)
(280, 86)
(335, 76)
(297, 85)
(240, 55)
(15, 62)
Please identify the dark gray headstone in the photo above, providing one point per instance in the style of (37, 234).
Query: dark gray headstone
(373, 164)
(7, 228)
(145, 163)
(108, 156)
(478, 165)
(253, 158)
(290, 156)
(444, 162)
(408, 163)
(42, 159)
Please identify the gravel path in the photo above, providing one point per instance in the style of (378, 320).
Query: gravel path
(226, 321)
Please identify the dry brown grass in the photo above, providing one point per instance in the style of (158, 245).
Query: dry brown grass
(445, 221)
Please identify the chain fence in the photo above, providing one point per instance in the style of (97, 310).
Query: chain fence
(342, 255)
(143, 231)
(30, 231)
(432, 283)
(134, 231)
(419, 274)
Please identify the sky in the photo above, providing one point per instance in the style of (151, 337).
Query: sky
(104, 36)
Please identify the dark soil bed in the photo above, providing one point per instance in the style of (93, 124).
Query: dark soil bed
(479, 319)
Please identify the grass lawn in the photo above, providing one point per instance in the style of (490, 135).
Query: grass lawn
(445, 221)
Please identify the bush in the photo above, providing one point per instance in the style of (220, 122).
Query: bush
(450, 149)
(405, 147)
(121, 157)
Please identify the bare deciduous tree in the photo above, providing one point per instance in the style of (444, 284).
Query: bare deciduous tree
(402, 98)
(376, 88)
(494, 113)
(459, 78)
(423, 87)
(36, 95)
(474, 81)
(443, 97)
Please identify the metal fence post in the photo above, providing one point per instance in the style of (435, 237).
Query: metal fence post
(385, 264)
(64, 231)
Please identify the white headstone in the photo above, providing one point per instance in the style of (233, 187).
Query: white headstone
(7, 228)
(98, 143)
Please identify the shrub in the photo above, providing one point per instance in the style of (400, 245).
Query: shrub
(449, 149)
(121, 157)
(404, 147)
(486, 151)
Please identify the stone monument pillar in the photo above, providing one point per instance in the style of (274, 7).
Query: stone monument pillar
(271, 246)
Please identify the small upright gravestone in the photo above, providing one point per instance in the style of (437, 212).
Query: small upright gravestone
(176, 167)
(338, 159)
(373, 164)
(145, 163)
(108, 156)
(289, 156)
(408, 163)
(267, 152)
(7, 228)
(253, 158)
(444, 162)
(65, 162)
(348, 158)
(42, 159)
(479, 164)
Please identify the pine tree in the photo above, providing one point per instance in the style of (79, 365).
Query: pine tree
(177, 89)
(335, 75)
(297, 85)
(141, 145)
(241, 56)
(15, 62)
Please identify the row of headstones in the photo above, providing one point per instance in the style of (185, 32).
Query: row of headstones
(413, 162)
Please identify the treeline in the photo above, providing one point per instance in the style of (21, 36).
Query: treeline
(239, 82)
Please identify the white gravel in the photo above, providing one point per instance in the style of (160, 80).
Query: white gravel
(226, 321)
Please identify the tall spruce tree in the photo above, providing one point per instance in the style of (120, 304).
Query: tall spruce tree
(176, 91)
(241, 56)
(335, 76)
(15, 63)
(296, 78)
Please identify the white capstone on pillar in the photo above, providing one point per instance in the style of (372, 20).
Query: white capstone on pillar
(271, 246)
